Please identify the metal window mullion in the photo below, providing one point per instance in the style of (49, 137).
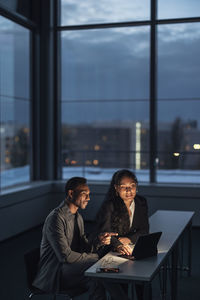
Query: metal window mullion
(35, 107)
(57, 89)
(16, 17)
(153, 93)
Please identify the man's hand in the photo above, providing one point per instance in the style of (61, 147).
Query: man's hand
(124, 249)
(105, 237)
(124, 240)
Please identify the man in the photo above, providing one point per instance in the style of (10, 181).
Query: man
(65, 252)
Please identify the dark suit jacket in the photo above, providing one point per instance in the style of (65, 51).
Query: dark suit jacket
(140, 224)
(56, 247)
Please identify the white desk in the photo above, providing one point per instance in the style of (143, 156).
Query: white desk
(172, 224)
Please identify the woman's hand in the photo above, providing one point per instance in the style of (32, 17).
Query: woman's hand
(124, 249)
(124, 240)
(105, 237)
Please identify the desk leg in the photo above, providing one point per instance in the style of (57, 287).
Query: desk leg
(147, 291)
(174, 277)
(189, 249)
(163, 272)
(186, 266)
(132, 290)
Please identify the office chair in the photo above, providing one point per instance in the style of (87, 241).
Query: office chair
(31, 262)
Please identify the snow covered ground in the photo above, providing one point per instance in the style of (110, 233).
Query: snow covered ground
(21, 175)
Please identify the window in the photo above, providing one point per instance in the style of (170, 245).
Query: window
(105, 101)
(75, 12)
(106, 92)
(178, 9)
(26, 8)
(14, 104)
(179, 102)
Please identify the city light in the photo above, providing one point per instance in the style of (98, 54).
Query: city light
(96, 147)
(26, 130)
(196, 146)
(7, 160)
(176, 154)
(67, 161)
(95, 162)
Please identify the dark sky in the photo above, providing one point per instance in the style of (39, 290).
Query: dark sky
(113, 64)
(110, 67)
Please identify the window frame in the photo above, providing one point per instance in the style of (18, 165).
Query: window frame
(153, 23)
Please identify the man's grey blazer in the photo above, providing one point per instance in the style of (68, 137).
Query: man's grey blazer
(55, 247)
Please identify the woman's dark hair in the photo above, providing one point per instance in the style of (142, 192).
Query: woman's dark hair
(120, 218)
(73, 183)
(117, 177)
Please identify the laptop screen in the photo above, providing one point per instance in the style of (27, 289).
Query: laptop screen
(146, 245)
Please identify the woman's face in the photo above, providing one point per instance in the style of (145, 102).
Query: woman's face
(126, 189)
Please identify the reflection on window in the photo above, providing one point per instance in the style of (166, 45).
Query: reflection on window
(179, 102)
(14, 104)
(178, 9)
(75, 12)
(105, 106)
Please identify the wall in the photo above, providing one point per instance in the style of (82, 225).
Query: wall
(21, 210)
(24, 209)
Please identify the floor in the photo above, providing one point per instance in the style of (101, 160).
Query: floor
(13, 277)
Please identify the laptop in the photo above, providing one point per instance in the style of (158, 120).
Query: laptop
(145, 246)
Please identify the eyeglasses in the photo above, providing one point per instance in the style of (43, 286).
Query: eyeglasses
(123, 188)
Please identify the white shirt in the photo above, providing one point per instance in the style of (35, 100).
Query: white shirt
(132, 209)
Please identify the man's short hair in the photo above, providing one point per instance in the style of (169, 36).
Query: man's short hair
(73, 183)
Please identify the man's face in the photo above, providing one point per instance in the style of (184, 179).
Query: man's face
(80, 196)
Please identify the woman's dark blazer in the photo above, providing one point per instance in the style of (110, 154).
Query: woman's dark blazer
(140, 224)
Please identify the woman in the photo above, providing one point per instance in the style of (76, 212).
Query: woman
(124, 212)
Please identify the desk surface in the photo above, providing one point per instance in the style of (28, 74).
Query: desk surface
(172, 224)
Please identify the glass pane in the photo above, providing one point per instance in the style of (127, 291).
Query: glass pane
(105, 106)
(14, 103)
(178, 9)
(179, 103)
(75, 12)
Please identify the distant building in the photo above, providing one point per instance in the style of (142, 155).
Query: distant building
(126, 145)
(176, 145)
(106, 145)
(13, 142)
(7, 132)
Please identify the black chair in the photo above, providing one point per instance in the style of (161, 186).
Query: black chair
(31, 262)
